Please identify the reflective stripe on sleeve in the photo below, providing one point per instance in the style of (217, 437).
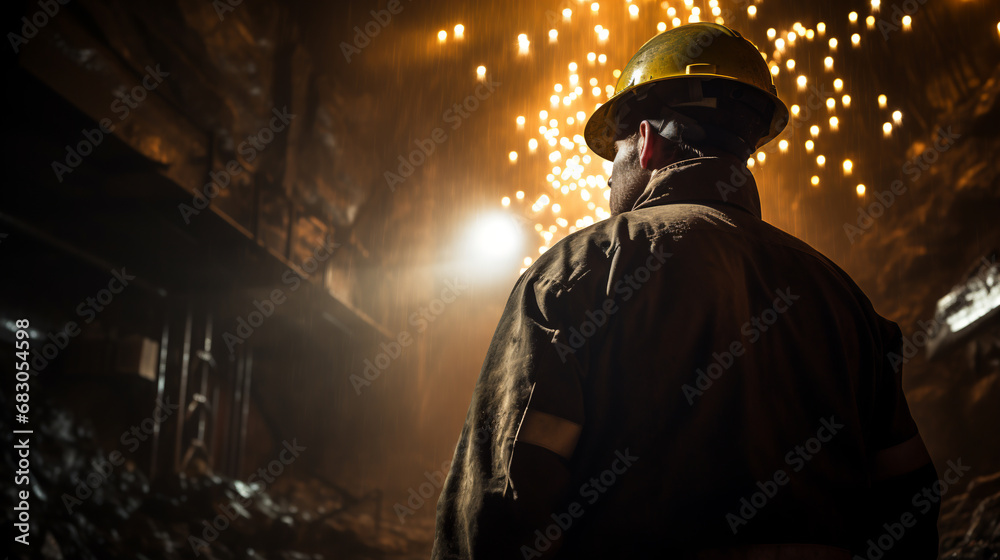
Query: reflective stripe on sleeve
(556, 434)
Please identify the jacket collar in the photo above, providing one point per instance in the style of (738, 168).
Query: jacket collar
(723, 180)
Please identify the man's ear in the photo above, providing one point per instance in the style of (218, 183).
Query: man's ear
(649, 145)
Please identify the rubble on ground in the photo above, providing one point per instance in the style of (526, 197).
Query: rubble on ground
(122, 514)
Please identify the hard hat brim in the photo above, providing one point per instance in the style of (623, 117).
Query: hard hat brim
(603, 127)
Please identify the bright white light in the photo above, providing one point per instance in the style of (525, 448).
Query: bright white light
(494, 238)
(982, 298)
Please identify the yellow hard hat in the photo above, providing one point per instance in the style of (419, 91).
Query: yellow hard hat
(696, 53)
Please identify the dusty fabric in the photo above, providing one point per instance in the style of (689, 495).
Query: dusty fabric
(730, 383)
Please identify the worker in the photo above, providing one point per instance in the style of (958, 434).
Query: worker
(684, 380)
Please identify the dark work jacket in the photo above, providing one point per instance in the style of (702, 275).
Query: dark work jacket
(703, 378)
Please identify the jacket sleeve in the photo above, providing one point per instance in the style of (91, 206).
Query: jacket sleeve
(510, 465)
(898, 448)
(901, 466)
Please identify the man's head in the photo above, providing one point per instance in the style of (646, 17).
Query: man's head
(657, 135)
(636, 157)
(696, 90)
